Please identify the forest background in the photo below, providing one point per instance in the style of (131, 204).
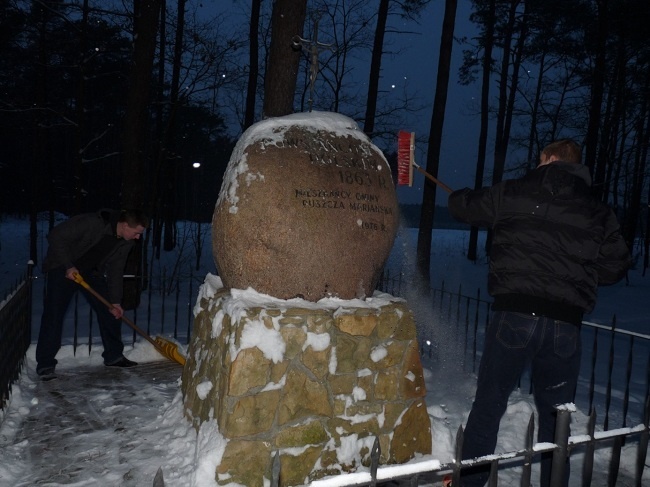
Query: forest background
(139, 103)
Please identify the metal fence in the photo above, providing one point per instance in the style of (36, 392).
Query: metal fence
(426, 473)
(15, 332)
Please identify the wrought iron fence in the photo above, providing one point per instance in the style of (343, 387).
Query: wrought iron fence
(15, 332)
(428, 472)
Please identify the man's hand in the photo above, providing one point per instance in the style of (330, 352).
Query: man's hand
(117, 311)
(70, 273)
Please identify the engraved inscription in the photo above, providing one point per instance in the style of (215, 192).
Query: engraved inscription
(324, 150)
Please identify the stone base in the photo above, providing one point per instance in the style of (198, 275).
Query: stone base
(314, 382)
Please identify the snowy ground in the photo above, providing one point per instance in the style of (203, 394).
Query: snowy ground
(98, 426)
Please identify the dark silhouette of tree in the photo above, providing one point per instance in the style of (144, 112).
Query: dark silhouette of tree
(253, 64)
(597, 93)
(435, 139)
(375, 67)
(287, 21)
(488, 43)
(136, 118)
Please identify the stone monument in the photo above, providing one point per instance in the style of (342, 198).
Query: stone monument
(293, 353)
(307, 209)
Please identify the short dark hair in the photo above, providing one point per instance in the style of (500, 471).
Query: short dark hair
(565, 150)
(134, 218)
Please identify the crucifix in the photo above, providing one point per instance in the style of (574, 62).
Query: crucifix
(312, 48)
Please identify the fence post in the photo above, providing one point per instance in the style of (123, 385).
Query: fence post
(608, 395)
(642, 450)
(275, 470)
(528, 457)
(558, 467)
(592, 379)
(455, 477)
(615, 461)
(588, 465)
(375, 454)
(30, 304)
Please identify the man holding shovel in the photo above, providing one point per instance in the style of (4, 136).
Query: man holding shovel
(553, 244)
(96, 246)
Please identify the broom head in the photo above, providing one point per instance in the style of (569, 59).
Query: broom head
(405, 151)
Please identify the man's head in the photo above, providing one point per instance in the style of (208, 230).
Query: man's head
(565, 150)
(131, 224)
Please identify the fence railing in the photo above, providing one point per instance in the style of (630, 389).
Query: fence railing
(426, 472)
(15, 332)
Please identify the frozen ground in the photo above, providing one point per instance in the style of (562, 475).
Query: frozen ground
(100, 426)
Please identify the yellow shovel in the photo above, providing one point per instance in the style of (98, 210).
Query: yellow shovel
(165, 347)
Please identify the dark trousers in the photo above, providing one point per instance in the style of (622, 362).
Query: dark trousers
(58, 294)
(513, 340)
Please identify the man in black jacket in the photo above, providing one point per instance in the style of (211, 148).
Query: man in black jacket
(96, 246)
(552, 245)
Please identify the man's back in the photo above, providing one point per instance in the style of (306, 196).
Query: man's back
(551, 239)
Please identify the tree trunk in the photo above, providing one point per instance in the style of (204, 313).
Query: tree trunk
(253, 64)
(435, 139)
(136, 118)
(375, 68)
(633, 215)
(170, 161)
(485, 112)
(501, 137)
(158, 151)
(597, 91)
(287, 21)
(533, 135)
(80, 112)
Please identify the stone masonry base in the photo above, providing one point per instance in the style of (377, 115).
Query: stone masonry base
(312, 382)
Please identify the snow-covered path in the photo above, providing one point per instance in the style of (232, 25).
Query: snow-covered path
(93, 425)
(115, 427)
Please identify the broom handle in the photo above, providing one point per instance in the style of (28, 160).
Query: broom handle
(80, 280)
(437, 181)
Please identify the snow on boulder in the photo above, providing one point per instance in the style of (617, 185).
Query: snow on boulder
(307, 209)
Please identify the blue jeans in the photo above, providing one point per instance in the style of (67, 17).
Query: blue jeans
(512, 341)
(58, 294)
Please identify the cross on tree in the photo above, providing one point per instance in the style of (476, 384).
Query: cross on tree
(312, 48)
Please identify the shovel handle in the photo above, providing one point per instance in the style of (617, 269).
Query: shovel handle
(80, 280)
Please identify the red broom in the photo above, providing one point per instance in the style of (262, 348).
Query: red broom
(406, 161)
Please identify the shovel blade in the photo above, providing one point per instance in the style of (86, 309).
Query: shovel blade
(169, 350)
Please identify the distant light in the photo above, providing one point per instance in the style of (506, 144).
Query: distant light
(196, 165)
(392, 86)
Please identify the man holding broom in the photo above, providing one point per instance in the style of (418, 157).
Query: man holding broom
(96, 246)
(553, 244)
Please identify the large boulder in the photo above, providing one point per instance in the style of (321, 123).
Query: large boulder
(307, 209)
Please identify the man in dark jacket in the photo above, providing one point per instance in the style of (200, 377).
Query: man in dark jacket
(96, 246)
(552, 245)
